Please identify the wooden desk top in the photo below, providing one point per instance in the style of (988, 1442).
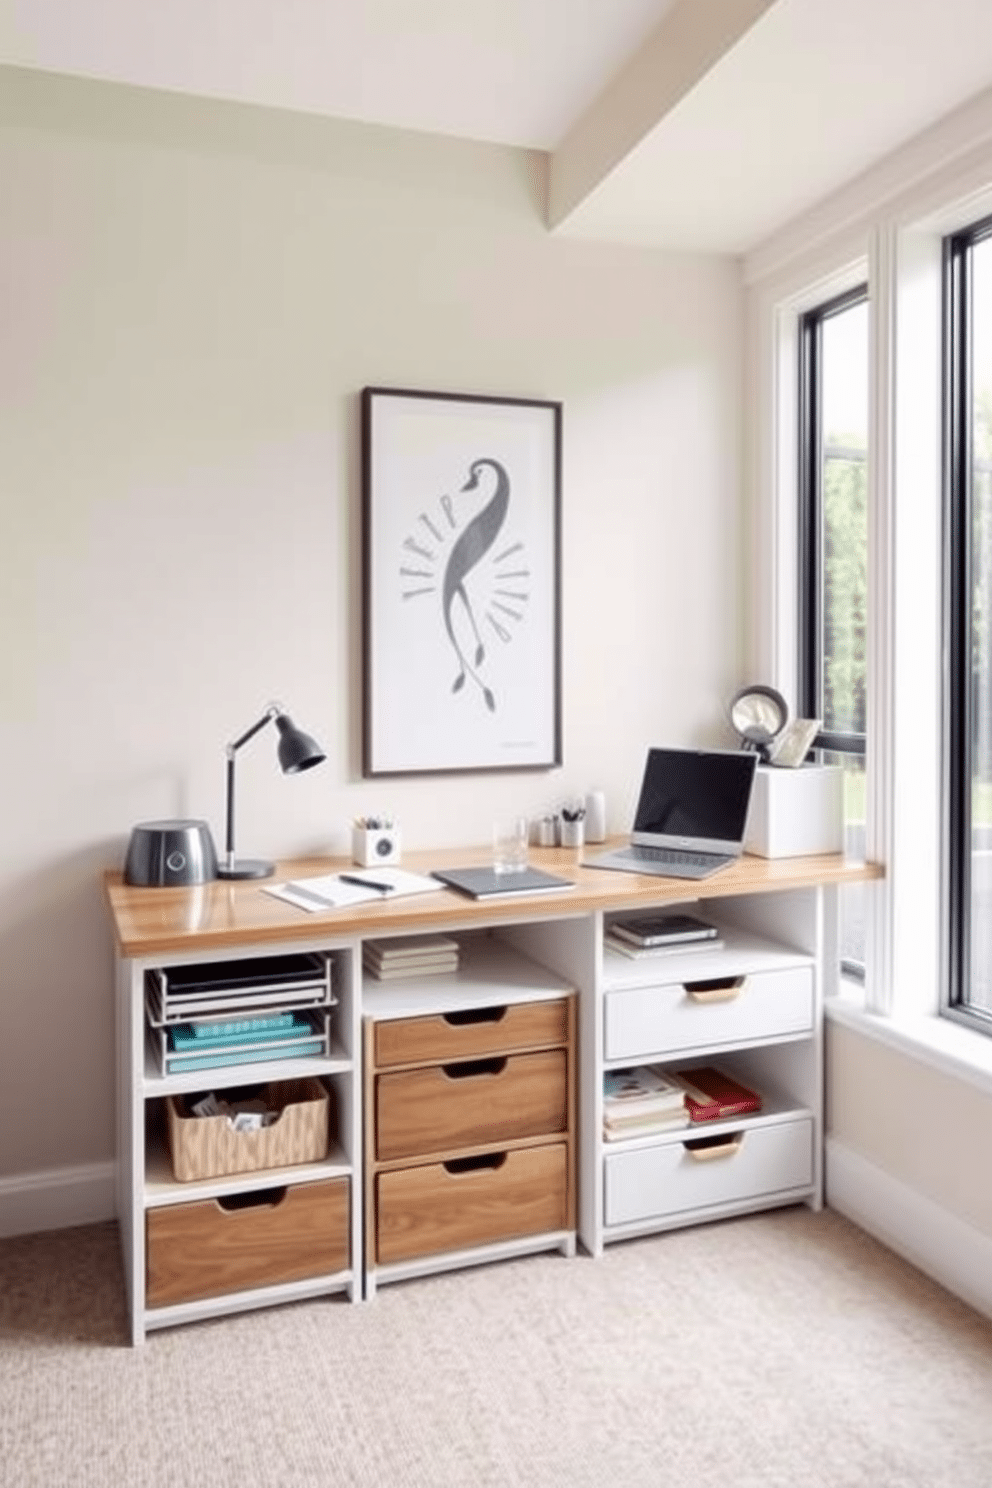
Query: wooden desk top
(224, 915)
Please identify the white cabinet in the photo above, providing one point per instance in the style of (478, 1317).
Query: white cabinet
(470, 1126)
(751, 1008)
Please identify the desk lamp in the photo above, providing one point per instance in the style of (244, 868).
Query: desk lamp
(297, 751)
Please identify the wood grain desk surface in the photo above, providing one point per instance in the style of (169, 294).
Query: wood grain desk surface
(224, 915)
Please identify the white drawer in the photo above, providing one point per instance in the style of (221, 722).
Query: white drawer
(676, 1018)
(670, 1179)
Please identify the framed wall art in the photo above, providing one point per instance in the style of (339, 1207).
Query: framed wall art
(462, 589)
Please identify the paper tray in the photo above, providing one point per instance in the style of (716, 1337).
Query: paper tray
(222, 1054)
(182, 994)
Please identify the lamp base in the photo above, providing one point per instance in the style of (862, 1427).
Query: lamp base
(246, 868)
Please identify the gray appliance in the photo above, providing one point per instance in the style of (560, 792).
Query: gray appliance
(170, 854)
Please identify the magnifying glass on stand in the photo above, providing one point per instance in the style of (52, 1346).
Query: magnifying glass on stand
(758, 715)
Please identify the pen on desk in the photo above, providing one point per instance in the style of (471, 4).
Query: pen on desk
(365, 883)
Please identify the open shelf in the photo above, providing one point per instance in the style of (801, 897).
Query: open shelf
(224, 1076)
(489, 972)
(750, 953)
(161, 1187)
(775, 1108)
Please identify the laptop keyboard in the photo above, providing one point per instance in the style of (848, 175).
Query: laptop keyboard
(676, 857)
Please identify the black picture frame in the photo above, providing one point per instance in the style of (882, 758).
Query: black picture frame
(461, 557)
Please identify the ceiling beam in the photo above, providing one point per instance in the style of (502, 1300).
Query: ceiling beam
(687, 43)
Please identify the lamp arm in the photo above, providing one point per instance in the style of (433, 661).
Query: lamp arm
(271, 712)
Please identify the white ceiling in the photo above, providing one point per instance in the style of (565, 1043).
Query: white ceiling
(683, 123)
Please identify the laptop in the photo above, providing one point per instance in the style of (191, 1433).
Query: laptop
(691, 814)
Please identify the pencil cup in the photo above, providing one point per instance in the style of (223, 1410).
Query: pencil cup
(572, 832)
(371, 845)
(546, 831)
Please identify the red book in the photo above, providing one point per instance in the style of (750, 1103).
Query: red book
(709, 1094)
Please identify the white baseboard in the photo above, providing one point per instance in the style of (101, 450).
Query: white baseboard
(57, 1199)
(954, 1253)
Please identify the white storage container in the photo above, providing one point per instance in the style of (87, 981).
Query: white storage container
(795, 812)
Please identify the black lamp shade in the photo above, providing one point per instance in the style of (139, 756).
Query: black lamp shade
(296, 750)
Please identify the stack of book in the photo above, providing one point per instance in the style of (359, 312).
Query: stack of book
(654, 934)
(212, 1044)
(637, 1102)
(404, 956)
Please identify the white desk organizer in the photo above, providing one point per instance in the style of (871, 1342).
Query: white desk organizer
(795, 812)
(371, 845)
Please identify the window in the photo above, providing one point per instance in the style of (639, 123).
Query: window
(833, 562)
(967, 622)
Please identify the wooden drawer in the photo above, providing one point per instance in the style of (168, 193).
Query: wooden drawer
(672, 1178)
(472, 1104)
(471, 1201)
(470, 1033)
(673, 1018)
(216, 1246)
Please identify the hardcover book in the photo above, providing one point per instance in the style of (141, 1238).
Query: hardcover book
(710, 1094)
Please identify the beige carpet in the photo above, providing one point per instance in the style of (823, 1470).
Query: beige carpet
(784, 1349)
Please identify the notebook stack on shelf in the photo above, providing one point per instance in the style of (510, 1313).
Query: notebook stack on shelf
(209, 1045)
(637, 1102)
(660, 934)
(405, 956)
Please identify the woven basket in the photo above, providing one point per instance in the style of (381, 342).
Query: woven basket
(207, 1147)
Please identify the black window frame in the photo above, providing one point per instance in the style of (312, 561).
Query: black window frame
(810, 440)
(958, 698)
(810, 568)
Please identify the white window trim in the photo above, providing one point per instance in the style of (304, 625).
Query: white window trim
(885, 228)
(938, 1042)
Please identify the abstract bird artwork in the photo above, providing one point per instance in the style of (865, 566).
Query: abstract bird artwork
(461, 583)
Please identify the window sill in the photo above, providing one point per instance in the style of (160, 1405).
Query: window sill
(939, 1042)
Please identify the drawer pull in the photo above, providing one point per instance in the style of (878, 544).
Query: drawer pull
(720, 989)
(708, 1148)
(470, 1067)
(475, 1164)
(465, 1016)
(259, 1198)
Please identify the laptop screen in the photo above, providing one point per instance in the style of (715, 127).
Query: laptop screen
(699, 794)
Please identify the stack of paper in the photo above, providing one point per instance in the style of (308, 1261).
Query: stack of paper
(404, 956)
(642, 1100)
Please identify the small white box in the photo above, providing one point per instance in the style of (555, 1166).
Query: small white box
(371, 845)
(795, 812)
